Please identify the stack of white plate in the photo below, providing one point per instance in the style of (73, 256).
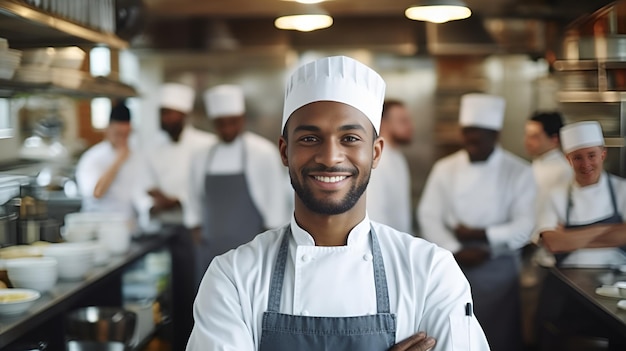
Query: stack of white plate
(37, 273)
(67, 78)
(33, 74)
(35, 66)
(9, 60)
(74, 259)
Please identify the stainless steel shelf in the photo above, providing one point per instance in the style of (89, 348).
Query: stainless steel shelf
(591, 96)
(26, 26)
(96, 87)
(587, 65)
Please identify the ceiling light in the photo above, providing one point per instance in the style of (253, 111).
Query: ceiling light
(438, 11)
(306, 19)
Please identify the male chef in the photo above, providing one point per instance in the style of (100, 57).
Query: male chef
(168, 167)
(332, 279)
(543, 144)
(389, 189)
(238, 185)
(582, 222)
(478, 203)
(108, 173)
(594, 202)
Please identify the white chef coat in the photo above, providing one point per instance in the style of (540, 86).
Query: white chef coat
(124, 193)
(427, 290)
(168, 165)
(265, 174)
(550, 170)
(589, 204)
(497, 194)
(389, 191)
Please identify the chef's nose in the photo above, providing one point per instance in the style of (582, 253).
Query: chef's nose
(330, 153)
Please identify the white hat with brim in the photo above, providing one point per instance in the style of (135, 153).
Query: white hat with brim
(340, 79)
(482, 111)
(178, 97)
(224, 101)
(580, 135)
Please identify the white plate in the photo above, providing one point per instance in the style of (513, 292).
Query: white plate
(608, 291)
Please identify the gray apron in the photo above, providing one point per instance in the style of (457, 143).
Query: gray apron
(554, 311)
(612, 219)
(496, 292)
(230, 217)
(283, 332)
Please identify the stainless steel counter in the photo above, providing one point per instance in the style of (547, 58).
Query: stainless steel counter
(102, 286)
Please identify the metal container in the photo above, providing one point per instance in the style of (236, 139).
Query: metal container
(8, 226)
(75, 345)
(101, 324)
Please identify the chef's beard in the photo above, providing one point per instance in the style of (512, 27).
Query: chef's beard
(329, 207)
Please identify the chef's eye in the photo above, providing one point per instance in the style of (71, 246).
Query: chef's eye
(308, 139)
(350, 138)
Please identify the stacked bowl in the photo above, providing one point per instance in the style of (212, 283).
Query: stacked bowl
(35, 66)
(9, 60)
(74, 259)
(37, 273)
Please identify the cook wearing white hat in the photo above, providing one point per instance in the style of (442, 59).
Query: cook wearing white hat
(310, 285)
(166, 176)
(583, 220)
(238, 186)
(478, 203)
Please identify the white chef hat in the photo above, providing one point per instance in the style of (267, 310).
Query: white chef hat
(224, 101)
(581, 135)
(338, 78)
(482, 111)
(177, 97)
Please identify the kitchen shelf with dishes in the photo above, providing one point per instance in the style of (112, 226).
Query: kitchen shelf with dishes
(89, 87)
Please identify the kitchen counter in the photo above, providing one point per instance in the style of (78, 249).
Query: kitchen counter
(101, 286)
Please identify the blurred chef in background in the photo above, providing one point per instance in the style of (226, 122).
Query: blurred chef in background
(583, 221)
(169, 163)
(108, 173)
(238, 186)
(594, 202)
(478, 203)
(389, 189)
(167, 174)
(543, 144)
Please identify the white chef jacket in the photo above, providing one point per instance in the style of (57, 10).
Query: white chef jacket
(497, 194)
(266, 178)
(427, 290)
(168, 165)
(124, 193)
(589, 204)
(389, 191)
(550, 170)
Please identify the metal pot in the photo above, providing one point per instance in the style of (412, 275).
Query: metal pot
(76, 345)
(101, 324)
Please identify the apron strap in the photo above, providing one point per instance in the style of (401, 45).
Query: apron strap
(612, 192)
(278, 274)
(380, 278)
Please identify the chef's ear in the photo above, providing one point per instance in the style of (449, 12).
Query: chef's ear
(282, 148)
(377, 151)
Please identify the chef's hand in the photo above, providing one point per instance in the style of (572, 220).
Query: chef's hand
(161, 202)
(122, 153)
(416, 342)
(464, 233)
(471, 256)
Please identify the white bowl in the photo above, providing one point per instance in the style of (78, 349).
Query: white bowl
(70, 57)
(74, 259)
(17, 301)
(39, 273)
(621, 288)
(38, 57)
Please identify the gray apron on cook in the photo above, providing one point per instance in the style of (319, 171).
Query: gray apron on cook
(615, 218)
(230, 217)
(496, 292)
(554, 310)
(283, 332)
